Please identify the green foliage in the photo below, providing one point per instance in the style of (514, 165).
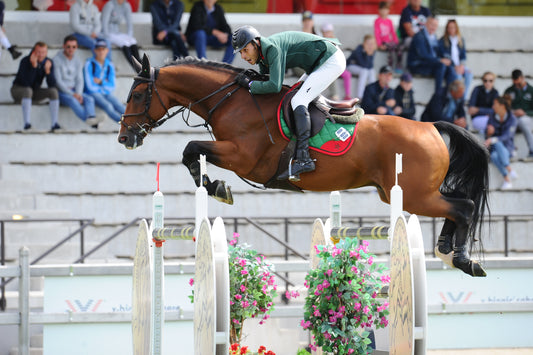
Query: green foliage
(342, 298)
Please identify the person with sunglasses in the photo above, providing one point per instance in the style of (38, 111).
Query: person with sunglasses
(480, 103)
(68, 71)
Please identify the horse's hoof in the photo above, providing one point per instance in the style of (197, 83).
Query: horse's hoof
(446, 258)
(223, 193)
(472, 268)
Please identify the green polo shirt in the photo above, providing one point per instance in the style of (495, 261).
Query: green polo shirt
(521, 98)
(286, 50)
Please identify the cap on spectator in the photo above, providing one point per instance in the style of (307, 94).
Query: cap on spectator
(307, 15)
(326, 27)
(406, 77)
(100, 43)
(386, 69)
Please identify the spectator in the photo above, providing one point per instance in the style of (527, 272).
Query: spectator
(328, 32)
(481, 101)
(85, 21)
(27, 84)
(447, 105)
(422, 56)
(360, 62)
(99, 74)
(404, 97)
(521, 94)
(452, 46)
(114, 13)
(412, 19)
(379, 97)
(166, 30)
(308, 26)
(500, 138)
(386, 38)
(68, 72)
(4, 41)
(208, 27)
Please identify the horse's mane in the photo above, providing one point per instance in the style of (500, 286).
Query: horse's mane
(204, 63)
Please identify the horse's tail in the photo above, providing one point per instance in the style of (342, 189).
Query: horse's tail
(468, 174)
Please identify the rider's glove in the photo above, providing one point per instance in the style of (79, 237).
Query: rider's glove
(243, 80)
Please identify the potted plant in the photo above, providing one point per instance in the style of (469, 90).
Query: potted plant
(342, 300)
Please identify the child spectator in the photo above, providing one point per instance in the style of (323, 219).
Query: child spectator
(85, 21)
(379, 97)
(500, 133)
(99, 75)
(412, 19)
(361, 63)
(166, 29)
(386, 38)
(4, 41)
(481, 101)
(208, 27)
(27, 84)
(114, 13)
(452, 46)
(404, 97)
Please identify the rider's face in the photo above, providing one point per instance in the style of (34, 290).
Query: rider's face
(250, 53)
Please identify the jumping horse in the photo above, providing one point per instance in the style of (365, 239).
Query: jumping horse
(439, 179)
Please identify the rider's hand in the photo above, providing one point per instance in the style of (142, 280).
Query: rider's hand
(243, 80)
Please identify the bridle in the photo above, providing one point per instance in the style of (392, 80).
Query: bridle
(143, 129)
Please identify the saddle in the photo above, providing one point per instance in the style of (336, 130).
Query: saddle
(322, 109)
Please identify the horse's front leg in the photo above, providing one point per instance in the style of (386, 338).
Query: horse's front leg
(191, 159)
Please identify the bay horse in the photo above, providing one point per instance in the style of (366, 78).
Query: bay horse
(438, 179)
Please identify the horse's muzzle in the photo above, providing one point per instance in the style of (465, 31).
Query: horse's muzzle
(130, 140)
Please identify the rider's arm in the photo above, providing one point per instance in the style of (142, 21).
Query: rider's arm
(276, 61)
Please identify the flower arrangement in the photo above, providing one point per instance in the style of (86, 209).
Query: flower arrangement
(342, 298)
(252, 287)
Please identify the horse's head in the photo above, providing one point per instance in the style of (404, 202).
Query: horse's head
(143, 108)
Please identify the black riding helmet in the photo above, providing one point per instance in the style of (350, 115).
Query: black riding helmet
(242, 36)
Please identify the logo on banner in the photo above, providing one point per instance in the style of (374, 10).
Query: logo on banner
(455, 297)
(78, 306)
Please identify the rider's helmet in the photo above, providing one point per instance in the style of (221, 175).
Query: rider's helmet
(242, 36)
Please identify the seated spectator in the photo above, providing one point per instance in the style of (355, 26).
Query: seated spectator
(166, 29)
(521, 94)
(379, 97)
(404, 97)
(33, 68)
(99, 74)
(208, 27)
(68, 72)
(481, 101)
(4, 41)
(361, 63)
(452, 46)
(500, 138)
(422, 57)
(114, 13)
(447, 105)
(85, 22)
(412, 19)
(386, 38)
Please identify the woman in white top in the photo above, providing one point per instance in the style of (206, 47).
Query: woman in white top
(114, 14)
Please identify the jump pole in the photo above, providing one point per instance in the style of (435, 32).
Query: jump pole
(211, 310)
(407, 325)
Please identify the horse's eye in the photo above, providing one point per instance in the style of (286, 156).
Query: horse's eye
(137, 96)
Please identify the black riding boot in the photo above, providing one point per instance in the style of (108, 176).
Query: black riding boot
(127, 53)
(303, 162)
(14, 52)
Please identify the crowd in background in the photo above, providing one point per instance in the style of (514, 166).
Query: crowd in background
(84, 85)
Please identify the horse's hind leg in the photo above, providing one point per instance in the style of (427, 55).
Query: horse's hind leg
(454, 252)
(191, 159)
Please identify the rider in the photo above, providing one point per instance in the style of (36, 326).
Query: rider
(322, 60)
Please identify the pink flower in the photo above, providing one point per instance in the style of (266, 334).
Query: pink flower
(366, 310)
(385, 278)
(238, 297)
(254, 303)
(242, 262)
(244, 272)
(305, 324)
(316, 313)
(236, 321)
(329, 272)
(351, 351)
(370, 260)
(245, 304)
(243, 288)
(191, 281)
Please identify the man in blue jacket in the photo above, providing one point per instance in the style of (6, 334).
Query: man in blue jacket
(166, 17)
(423, 59)
(447, 105)
(379, 97)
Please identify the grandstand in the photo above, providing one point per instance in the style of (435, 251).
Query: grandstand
(80, 173)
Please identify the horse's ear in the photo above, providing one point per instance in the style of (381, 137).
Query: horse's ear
(136, 65)
(145, 70)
